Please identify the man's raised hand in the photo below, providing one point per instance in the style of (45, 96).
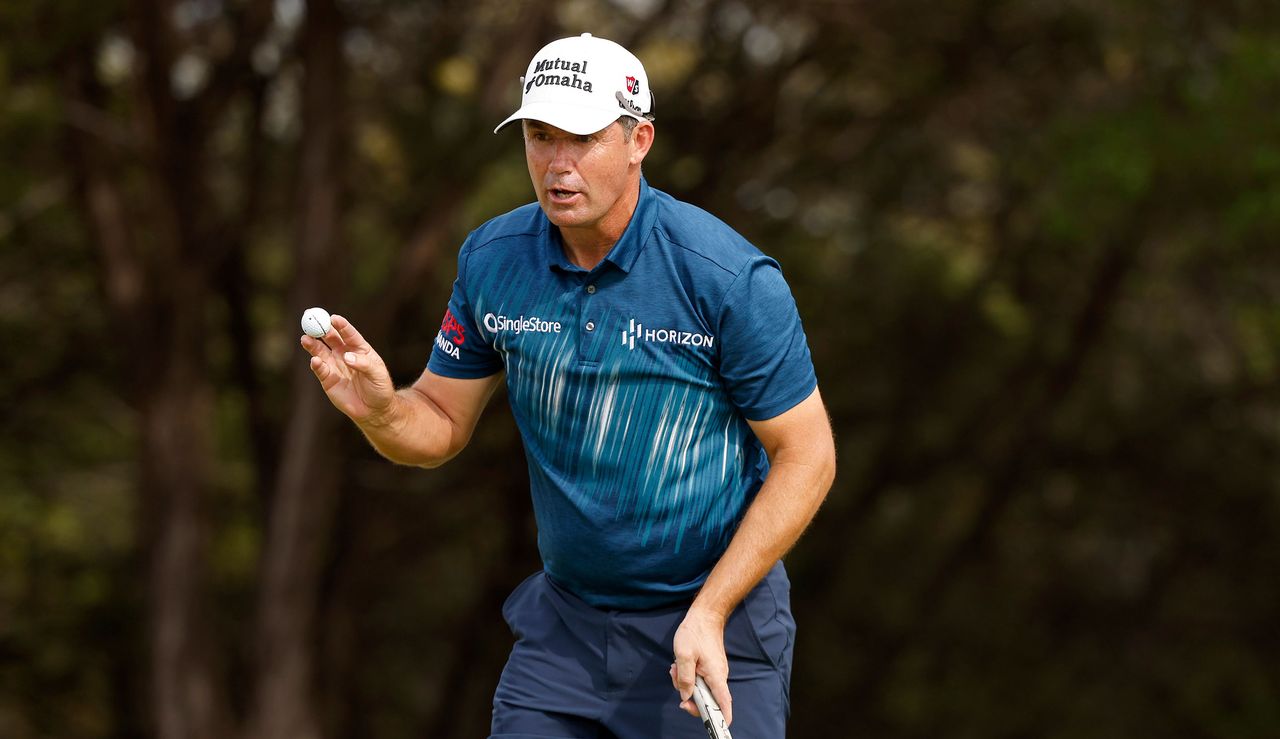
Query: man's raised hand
(351, 373)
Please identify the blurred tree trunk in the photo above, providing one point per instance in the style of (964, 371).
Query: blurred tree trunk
(156, 283)
(159, 250)
(306, 486)
(186, 689)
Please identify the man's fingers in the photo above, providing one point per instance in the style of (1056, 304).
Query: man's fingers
(326, 374)
(686, 671)
(360, 360)
(720, 691)
(686, 705)
(373, 377)
(314, 347)
(347, 334)
(320, 369)
(361, 363)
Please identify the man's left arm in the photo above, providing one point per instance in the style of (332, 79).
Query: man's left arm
(802, 463)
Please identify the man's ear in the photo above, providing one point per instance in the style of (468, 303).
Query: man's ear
(641, 141)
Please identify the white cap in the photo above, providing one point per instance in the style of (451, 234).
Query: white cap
(582, 84)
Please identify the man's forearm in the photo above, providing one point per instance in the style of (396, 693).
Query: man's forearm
(412, 431)
(785, 505)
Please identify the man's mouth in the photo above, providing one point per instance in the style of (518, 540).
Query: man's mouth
(560, 195)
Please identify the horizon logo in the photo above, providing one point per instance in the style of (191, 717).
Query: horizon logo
(663, 336)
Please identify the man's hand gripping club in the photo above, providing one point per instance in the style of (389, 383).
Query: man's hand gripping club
(699, 650)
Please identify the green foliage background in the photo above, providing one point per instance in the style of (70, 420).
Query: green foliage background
(1035, 246)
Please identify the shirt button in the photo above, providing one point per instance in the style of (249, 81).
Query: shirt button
(591, 289)
(591, 326)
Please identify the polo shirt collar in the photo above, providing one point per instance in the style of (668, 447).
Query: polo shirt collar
(624, 253)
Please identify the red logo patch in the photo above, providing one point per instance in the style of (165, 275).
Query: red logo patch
(452, 330)
(633, 85)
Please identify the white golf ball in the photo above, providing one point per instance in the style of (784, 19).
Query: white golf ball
(315, 322)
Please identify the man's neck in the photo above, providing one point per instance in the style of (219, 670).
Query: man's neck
(588, 246)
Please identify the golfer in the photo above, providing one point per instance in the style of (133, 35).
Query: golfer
(676, 442)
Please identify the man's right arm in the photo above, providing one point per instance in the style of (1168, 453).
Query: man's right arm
(425, 424)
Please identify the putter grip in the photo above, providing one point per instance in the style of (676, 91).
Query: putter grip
(712, 718)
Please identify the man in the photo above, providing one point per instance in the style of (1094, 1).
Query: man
(676, 442)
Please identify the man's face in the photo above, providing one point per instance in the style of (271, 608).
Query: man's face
(580, 179)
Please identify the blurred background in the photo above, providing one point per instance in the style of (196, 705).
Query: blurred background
(1034, 243)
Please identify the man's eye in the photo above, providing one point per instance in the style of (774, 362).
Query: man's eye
(585, 139)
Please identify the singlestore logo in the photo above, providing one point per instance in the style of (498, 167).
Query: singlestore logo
(637, 332)
(520, 324)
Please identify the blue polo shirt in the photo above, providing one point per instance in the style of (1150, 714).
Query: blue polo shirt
(631, 385)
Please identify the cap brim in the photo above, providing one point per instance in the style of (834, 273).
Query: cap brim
(571, 118)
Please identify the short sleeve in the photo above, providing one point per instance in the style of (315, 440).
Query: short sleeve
(460, 351)
(764, 355)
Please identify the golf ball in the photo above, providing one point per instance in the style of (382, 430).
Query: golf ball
(315, 322)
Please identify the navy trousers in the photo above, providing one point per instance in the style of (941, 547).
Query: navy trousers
(579, 672)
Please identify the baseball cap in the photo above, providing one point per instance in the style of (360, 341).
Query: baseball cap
(582, 84)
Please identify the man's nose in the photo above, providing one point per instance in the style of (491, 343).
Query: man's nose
(561, 157)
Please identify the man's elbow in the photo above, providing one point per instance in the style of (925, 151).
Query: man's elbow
(431, 464)
(827, 467)
(431, 461)
(415, 456)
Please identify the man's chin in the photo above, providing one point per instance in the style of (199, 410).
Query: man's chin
(563, 217)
